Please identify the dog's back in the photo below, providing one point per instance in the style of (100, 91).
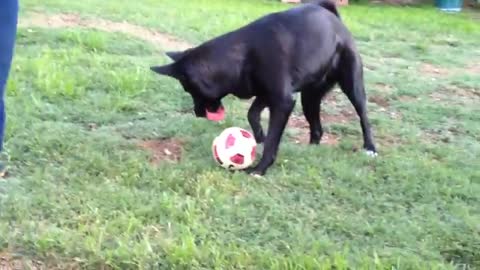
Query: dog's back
(303, 40)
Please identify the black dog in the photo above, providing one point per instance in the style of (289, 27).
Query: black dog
(305, 49)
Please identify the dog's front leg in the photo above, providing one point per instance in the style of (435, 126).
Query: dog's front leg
(254, 114)
(279, 114)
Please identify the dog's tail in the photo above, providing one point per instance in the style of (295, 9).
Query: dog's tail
(326, 4)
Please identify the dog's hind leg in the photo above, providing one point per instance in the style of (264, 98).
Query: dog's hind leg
(352, 84)
(254, 114)
(311, 101)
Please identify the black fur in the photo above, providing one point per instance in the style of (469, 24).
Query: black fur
(305, 49)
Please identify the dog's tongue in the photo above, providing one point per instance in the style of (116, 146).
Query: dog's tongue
(219, 115)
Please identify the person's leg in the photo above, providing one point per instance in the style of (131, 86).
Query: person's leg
(8, 30)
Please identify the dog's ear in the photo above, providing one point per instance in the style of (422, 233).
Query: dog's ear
(175, 55)
(167, 70)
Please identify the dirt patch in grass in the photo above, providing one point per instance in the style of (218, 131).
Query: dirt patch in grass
(434, 71)
(404, 98)
(456, 95)
(163, 149)
(389, 140)
(345, 116)
(380, 101)
(474, 68)
(383, 87)
(330, 139)
(10, 262)
(66, 20)
(297, 121)
(303, 136)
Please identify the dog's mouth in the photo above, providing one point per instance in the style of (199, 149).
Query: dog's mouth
(217, 115)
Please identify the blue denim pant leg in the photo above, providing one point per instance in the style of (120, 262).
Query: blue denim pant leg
(8, 30)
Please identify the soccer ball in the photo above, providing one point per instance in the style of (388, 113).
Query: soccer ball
(234, 148)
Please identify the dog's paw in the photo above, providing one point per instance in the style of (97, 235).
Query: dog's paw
(256, 175)
(371, 153)
(314, 141)
(254, 172)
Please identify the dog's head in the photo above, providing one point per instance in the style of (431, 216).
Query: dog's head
(199, 79)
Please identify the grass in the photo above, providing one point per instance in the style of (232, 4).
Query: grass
(89, 198)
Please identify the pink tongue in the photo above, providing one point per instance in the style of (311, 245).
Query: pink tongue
(219, 115)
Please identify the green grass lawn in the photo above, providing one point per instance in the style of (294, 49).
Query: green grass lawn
(82, 193)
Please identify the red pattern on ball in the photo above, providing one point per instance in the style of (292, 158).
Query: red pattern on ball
(246, 134)
(237, 159)
(230, 141)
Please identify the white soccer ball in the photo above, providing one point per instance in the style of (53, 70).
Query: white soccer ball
(234, 148)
